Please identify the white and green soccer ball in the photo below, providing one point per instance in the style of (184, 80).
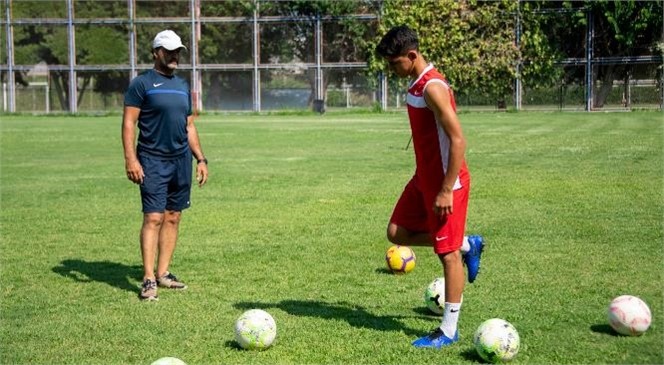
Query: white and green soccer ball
(255, 330)
(434, 296)
(168, 361)
(496, 340)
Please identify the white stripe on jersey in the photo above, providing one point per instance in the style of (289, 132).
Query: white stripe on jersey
(444, 145)
(419, 101)
(416, 101)
(426, 69)
(443, 140)
(445, 85)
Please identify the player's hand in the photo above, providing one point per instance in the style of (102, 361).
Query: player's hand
(443, 204)
(134, 171)
(201, 174)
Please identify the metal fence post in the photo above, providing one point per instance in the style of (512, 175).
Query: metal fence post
(517, 84)
(255, 50)
(589, 61)
(71, 41)
(11, 79)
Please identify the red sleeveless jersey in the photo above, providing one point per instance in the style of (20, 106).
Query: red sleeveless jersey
(431, 144)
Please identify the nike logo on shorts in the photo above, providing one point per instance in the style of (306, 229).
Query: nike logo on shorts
(442, 238)
(157, 85)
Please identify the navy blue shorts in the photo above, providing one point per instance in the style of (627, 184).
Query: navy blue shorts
(167, 183)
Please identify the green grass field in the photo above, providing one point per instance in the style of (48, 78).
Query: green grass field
(293, 220)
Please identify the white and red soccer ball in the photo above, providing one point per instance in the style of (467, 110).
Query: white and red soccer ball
(629, 315)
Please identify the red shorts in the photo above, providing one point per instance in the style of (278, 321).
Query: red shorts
(414, 212)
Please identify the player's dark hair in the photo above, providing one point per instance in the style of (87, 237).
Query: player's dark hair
(397, 42)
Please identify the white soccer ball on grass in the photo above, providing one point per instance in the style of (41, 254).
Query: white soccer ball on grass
(255, 330)
(496, 340)
(434, 296)
(629, 315)
(168, 361)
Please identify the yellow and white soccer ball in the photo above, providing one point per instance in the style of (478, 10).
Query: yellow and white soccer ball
(400, 259)
(629, 315)
(255, 330)
(496, 340)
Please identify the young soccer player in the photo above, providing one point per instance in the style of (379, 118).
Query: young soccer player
(432, 208)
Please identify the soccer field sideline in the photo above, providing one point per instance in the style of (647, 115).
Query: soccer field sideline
(293, 222)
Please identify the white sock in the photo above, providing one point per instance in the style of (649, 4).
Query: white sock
(465, 246)
(450, 319)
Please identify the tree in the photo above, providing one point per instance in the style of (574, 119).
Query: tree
(226, 43)
(94, 44)
(548, 36)
(473, 43)
(622, 29)
(344, 38)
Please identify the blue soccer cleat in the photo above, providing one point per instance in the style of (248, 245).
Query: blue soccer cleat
(473, 256)
(436, 339)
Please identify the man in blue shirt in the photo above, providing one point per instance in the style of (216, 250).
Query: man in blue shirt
(159, 102)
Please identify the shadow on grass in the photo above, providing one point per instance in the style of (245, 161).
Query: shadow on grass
(424, 311)
(604, 329)
(355, 315)
(232, 345)
(112, 273)
(384, 271)
(471, 355)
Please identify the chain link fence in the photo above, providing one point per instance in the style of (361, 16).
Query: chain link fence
(253, 74)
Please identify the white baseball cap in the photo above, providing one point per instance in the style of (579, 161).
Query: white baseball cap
(167, 39)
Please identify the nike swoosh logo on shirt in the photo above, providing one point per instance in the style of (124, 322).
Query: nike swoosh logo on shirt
(157, 85)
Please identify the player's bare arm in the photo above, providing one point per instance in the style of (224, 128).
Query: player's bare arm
(438, 100)
(132, 166)
(197, 151)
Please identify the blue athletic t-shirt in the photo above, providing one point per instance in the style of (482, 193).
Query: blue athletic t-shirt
(165, 103)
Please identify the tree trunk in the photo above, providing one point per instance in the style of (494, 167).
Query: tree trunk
(86, 80)
(60, 90)
(627, 99)
(213, 93)
(599, 97)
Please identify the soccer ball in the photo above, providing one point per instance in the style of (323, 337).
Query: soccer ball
(434, 296)
(400, 259)
(496, 340)
(629, 315)
(255, 330)
(168, 361)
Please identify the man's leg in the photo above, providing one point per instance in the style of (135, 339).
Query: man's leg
(149, 240)
(150, 231)
(410, 212)
(451, 232)
(455, 280)
(179, 191)
(401, 236)
(447, 333)
(454, 276)
(168, 236)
